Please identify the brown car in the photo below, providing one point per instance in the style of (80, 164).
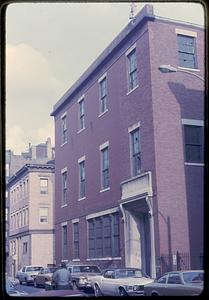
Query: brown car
(43, 276)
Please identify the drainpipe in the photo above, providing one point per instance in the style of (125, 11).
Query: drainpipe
(152, 237)
(124, 227)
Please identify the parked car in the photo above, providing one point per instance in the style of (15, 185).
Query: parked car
(120, 282)
(177, 283)
(43, 276)
(82, 273)
(11, 289)
(28, 273)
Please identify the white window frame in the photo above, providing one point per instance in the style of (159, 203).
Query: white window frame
(103, 77)
(101, 148)
(47, 216)
(63, 130)
(47, 186)
(81, 160)
(130, 131)
(128, 52)
(82, 98)
(65, 170)
(192, 122)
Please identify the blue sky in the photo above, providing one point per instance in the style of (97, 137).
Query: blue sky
(45, 55)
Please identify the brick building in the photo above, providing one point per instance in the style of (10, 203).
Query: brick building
(129, 151)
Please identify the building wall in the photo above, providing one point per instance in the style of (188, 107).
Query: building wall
(176, 96)
(42, 249)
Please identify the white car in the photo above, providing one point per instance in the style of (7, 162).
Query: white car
(28, 273)
(120, 282)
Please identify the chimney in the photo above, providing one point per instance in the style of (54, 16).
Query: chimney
(49, 148)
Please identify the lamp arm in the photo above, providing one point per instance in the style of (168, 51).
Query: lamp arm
(191, 73)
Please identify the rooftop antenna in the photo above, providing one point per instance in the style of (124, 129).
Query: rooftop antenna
(132, 12)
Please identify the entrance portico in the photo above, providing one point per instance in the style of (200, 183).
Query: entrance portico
(136, 207)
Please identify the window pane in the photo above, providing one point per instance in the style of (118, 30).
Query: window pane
(43, 185)
(193, 143)
(186, 51)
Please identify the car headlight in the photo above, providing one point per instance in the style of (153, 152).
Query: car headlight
(138, 288)
(82, 280)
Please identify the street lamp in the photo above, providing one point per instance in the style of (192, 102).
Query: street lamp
(171, 69)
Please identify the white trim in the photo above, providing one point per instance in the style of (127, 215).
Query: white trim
(75, 220)
(102, 77)
(105, 190)
(63, 115)
(81, 98)
(104, 145)
(133, 127)
(130, 49)
(185, 32)
(189, 69)
(194, 164)
(81, 159)
(101, 213)
(192, 122)
(129, 92)
(83, 198)
(63, 205)
(104, 258)
(63, 170)
(76, 259)
(64, 224)
(101, 114)
(81, 130)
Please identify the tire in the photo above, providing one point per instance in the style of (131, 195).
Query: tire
(97, 291)
(20, 281)
(122, 292)
(154, 294)
(74, 286)
(35, 283)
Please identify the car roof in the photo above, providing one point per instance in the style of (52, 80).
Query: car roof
(182, 271)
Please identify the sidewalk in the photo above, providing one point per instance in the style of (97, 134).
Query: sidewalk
(12, 279)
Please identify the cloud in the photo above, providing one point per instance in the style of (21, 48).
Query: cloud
(46, 131)
(31, 91)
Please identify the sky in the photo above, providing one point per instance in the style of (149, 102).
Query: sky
(50, 45)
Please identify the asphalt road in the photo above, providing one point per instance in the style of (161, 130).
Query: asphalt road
(28, 288)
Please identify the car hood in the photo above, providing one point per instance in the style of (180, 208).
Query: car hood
(132, 280)
(83, 274)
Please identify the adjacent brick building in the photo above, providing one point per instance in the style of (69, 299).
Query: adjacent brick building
(129, 151)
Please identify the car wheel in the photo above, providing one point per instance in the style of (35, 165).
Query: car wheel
(35, 283)
(97, 291)
(20, 281)
(74, 285)
(154, 294)
(122, 292)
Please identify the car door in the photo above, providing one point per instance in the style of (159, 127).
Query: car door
(108, 283)
(175, 286)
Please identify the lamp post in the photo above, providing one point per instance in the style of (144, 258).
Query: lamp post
(171, 69)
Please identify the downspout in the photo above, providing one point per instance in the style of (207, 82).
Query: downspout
(152, 237)
(124, 228)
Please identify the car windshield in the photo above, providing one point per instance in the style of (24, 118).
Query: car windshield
(51, 270)
(192, 277)
(31, 269)
(84, 269)
(122, 273)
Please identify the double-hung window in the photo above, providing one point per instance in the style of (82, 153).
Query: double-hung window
(81, 114)
(43, 186)
(135, 152)
(43, 214)
(64, 241)
(64, 187)
(132, 70)
(76, 240)
(103, 95)
(193, 136)
(105, 168)
(82, 179)
(187, 52)
(64, 129)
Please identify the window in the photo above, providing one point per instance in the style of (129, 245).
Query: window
(103, 95)
(82, 179)
(132, 70)
(186, 45)
(103, 236)
(135, 152)
(43, 186)
(174, 279)
(193, 136)
(64, 188)
(43, 214)
(105, 168)
(25, 248)
(64, 129)
(81, 115)
(64, 241)
(162, 279)
(76, 240)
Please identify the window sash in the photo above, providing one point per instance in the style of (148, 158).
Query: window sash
(76, 240)
(64, 240)
(64, 188)
(43, 214)
(43, 185)
(64, 129)
(193, 136)
(136, 153)
(82, 179)
(186, 45)
(132, 67)
(81, 114)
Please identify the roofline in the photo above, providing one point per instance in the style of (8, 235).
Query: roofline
(145, 14)
(27, 168)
